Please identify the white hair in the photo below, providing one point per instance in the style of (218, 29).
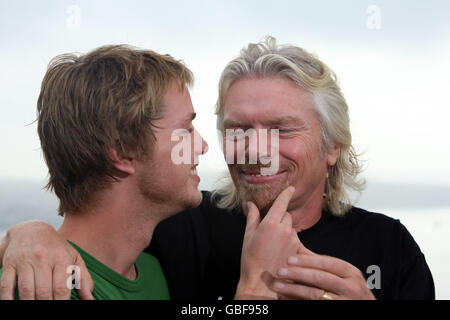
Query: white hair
(267, 59)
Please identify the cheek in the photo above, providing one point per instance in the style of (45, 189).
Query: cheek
(164, 165)
(292, 150)
(300, 153)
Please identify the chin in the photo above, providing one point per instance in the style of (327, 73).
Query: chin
(194, 200)
(263, 195)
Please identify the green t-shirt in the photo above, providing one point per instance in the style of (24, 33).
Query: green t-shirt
(150, 283)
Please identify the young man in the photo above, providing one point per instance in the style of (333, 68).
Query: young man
(105, 121)
(346, 252)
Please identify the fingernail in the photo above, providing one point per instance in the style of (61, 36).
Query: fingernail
(278, 285)
(292, 189)
(283, 272)
(293, 260)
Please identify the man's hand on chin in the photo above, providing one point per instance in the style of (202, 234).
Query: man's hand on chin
(266, 247)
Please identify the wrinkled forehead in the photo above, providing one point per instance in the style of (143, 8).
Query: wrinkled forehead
(273, 101)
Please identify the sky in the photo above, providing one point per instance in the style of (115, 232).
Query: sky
(391, 59)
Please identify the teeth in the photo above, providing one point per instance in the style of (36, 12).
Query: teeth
(194, 171)
(262, 175)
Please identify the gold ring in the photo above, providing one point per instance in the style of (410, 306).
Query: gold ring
(325, 296)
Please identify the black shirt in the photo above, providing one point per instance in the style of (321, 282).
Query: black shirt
(200, 250)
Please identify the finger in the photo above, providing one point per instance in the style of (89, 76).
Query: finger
(280, 205)
(8, 283)
(86, 282)
(312, 278)
(253, 217)
(289, 291)
(329, 264)
(281, 297)
(25, 282)
(43, 282)
(61, 291)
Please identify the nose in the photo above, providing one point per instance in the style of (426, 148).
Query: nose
(205, 146)
(252, 146)
(259, 144)
(200, 144)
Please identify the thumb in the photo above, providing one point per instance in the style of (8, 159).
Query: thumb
(253, 217)
(302, 249)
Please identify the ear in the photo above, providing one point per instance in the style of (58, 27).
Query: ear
(122, 163)
(333, 154)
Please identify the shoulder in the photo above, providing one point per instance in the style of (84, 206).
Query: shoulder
(388, 230)
(371, 221)
(365, 215)
(393, 248)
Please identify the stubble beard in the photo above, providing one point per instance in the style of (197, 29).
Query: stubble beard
(262, 195)
(179, 201)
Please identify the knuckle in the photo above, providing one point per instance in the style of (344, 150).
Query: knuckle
(315, 294)
(12, 258)
(9, 264)
(25, 290)
(352, 270)
(61, 290)
(318, 278)
(353, 289)
(63, 259)
(41, 254)
(361, 278)
(3, 285)
(336, 283)
(43, 293)
(270, 224)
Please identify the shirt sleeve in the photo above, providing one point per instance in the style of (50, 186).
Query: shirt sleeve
(416, 281)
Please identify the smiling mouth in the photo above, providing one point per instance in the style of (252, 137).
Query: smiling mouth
(256, 176)
(194, 175)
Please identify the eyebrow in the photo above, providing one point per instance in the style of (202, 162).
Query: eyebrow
(189, 118)
(278, 121)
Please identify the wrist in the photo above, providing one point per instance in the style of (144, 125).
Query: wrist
(27, 226)
(250, 289)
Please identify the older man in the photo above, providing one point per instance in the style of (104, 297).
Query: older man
(345, 252)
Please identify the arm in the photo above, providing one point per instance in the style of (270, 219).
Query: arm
(35, 259)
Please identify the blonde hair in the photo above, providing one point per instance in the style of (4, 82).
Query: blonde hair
(267, 59)
(107, 97)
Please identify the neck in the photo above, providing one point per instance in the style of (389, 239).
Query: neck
(307, 211)
(115, 230)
